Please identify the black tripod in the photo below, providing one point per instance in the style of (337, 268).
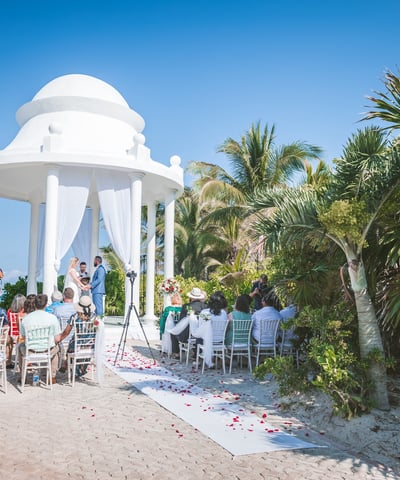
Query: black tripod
(131, 275)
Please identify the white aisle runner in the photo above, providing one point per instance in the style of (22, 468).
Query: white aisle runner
(231, 426)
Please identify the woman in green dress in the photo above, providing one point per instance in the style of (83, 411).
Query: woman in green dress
(175, 307)
(241, 311)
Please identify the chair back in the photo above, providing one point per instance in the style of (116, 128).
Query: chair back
(3, 342)
(268, 332)
(176, 316)
(241, 332)
(85, 336)
(3, 316)
(13, 321)
(218, 330)
(37, 339)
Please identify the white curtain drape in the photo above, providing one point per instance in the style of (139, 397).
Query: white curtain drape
(82, 240)
(114, 198)
(72, 198)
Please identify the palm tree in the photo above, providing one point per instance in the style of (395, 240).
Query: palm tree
(387, 104)
(367, 177)
(196, 248)
(257, 162)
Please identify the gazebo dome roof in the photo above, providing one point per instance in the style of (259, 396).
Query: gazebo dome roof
(78, 121)
(77, 85)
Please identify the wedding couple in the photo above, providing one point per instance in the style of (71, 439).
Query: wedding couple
(79, 286)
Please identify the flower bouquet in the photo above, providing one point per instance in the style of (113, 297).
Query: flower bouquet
(169, 286)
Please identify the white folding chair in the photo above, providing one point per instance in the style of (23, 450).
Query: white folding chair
(287, 346)
(266, 344)
(241, 342)
(63, 319)
(83, 354)
(35, 357)
(3, 355)
(217, 345)
(190, 344)
(14, 320)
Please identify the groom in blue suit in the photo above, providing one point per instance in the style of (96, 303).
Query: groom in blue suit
(97, 285)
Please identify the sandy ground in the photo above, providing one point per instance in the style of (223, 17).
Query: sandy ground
(114, 431)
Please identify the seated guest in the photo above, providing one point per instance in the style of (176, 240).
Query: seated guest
(63, 313)
(29, 304)
(214, 316)
(241, 311)
(85, 312)
(288, 312)
(196, 304)
(56, 300)
(267, 312)
(215, 309)
(41, 318)
(17, 306)
(175, 307)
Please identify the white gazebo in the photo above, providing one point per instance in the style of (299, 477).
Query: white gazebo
(80, 151)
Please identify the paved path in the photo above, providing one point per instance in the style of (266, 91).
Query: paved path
(115, 432)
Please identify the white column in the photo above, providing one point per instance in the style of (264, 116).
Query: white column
(33, 247)
(151, 260)
(94, 244)
(169, 234)
(50, 232)
(136, 226)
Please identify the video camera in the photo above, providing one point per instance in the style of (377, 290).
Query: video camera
(131, 274)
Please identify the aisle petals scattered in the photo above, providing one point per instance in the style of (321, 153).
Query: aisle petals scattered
(219, 416)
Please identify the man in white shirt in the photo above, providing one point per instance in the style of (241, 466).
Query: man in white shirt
(267, 312)
(41, 318)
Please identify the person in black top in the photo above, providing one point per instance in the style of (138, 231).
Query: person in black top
(258, 290)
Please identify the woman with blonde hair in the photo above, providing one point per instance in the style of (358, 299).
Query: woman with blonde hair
(175, 307)
(72, 279)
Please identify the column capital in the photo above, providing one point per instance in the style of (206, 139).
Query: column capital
(136, 175)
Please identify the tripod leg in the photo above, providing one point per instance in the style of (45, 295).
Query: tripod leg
(123, 334)
(144, 334)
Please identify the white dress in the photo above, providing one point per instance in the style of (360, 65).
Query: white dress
(70, 282)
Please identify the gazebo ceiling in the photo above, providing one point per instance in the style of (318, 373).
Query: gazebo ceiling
(77, 121)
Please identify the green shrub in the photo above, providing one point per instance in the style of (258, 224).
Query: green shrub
(290, 379)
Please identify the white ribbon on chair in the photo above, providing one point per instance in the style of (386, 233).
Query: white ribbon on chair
(205, 332)
(166, 342)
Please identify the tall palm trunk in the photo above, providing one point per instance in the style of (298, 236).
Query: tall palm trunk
(368, 331)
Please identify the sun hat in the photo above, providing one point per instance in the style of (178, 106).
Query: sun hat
(196, 294)
(84, 304)
(57, 296)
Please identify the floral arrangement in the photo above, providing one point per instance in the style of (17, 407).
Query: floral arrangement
(169, 286)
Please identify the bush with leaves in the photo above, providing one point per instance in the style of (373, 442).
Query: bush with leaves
(331, 363)
(290, 378)
(115, 288)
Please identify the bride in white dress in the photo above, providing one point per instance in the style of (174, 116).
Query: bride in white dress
(72, 279)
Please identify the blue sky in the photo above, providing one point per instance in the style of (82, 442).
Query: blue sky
(200, 72)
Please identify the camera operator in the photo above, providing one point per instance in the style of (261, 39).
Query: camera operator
(258, 290)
